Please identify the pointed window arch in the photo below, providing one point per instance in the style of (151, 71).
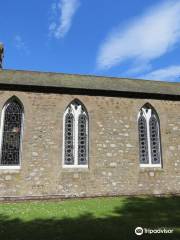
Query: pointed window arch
(75, 142)
(11, 132)
(149, 137)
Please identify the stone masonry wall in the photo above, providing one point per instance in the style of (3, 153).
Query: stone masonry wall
(113, 149)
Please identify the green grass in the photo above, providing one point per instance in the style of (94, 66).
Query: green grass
(89, 219)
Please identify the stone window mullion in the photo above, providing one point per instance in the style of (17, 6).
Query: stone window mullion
(148, 138)
(76, 139)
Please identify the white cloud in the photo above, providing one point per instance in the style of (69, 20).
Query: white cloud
(144, 39)
(62, 16)
(20, 44)
(170, 74)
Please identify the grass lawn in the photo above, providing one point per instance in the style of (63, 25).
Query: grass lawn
(99, 218)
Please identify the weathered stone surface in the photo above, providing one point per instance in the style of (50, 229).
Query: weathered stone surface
(113, 148)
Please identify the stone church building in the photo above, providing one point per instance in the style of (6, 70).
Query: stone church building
(65, 135)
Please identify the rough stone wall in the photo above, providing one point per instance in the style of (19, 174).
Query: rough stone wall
(113, 149)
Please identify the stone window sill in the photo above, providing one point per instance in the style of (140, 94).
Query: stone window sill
(10, 167)
(75, 169)
(151, 169)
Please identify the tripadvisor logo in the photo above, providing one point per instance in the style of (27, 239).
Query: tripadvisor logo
(140, 230)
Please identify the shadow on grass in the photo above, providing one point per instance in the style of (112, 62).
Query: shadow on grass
(145, 212)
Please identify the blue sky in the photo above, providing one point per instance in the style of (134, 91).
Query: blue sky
(135, 39)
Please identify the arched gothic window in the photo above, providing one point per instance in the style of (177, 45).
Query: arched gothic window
(11, 132)
(75, 135)
(149, 137)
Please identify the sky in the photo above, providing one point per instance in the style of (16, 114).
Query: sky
(120, 38)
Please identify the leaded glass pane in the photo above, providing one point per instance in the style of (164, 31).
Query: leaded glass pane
(143, 144)
(69, 151)
(11, 134)
(82, 140)
(154, 139)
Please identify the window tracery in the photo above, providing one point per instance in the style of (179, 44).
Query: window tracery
(11, 125)
(76, 135)
(149, 136)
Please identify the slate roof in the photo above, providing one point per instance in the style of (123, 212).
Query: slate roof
(74, 81)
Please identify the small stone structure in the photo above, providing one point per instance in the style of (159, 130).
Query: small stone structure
(112, 165)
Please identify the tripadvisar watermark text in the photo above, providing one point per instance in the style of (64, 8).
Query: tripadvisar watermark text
(161, 230)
